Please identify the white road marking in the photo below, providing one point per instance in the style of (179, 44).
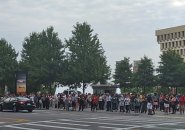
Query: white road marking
(22, 128)
(92, 122)
(141, 126)
(114, 128)
(100, 122)
(70, 128)
(32, 122)
(135, 122)
(168, 124)
(147, 126)
(65, 123)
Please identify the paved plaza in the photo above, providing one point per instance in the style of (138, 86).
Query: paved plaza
(57, 119)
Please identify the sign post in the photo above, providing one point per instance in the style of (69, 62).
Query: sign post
(21, 81)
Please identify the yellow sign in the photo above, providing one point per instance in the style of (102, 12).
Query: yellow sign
(21, 88)
(21, 83)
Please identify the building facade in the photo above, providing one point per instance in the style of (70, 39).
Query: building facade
(104, 88)
(136, 65)
(172, 38)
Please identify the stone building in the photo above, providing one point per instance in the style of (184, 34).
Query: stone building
(172, 38)
(104, 88)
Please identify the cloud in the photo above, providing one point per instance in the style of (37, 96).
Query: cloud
(126, 28)
(178, 3)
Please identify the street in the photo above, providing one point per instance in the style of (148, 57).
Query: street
(70, 120)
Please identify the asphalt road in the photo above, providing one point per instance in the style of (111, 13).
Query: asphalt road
(57, 119)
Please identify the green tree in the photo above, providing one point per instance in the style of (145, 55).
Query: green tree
(87, 63)
(144, 77)
(123, 73)
(171, 70)
(42, 57)
(8, 65)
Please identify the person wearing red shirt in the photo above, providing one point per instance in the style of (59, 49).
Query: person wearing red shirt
(95, 100)
(181, 104)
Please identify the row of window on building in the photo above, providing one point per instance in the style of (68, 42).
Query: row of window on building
(174, 44)
(180, 52)
(171, 36)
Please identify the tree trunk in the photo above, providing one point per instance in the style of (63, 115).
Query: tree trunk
(144, 89)
(49, 88)
(83, 88)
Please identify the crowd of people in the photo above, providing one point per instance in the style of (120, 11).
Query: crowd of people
(111, 102)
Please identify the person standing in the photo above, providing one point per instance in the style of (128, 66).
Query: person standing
(149, 104)
(100, 102)
(74, 100)
(173, 104)
(166, 104)
(155, 101)
(136, 105)
(121, 104)
(161, 102)
(143, 104)
(181, 104)
(108, 102)
(114, 103)
(81, 103)
(47, 101)
(94, 102)
(127, 103)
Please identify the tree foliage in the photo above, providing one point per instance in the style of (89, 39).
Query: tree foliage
(171, 70)
(42, 57)
(123, 73)
(8, 65)
(86, 60)
(144, 77)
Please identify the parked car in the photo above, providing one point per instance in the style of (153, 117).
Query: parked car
(17, 103)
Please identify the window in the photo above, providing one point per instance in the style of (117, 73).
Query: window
(171, 35)
(177, 51)
(181, 51)
(179, 34)
(162, 46)
(184, 42)
(166, 36)
(180, 43)
(172, 44)
(158, 38)
(12, 99)
(7, 100)
(169, 44)
(175, 35)
(176, 44)
(182, 33)
(166, 45)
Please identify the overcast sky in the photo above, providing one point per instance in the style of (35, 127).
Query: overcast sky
(126, 28)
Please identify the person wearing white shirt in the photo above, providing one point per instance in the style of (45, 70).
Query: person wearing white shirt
(108, 100)
(127, 104)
